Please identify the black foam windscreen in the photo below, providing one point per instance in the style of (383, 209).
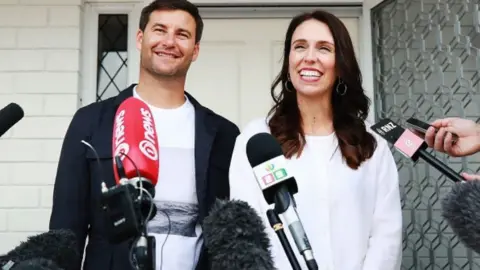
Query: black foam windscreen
(461, 210)
(236, 237)
(36, 264)
(262, 147)
(58, 246)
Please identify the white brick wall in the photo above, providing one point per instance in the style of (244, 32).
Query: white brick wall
(39, 70)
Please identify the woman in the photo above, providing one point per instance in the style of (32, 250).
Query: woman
(348, 198)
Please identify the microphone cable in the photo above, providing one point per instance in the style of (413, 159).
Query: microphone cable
(150, 212)
(142, 189)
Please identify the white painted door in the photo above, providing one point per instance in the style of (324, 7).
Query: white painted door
(239, 58)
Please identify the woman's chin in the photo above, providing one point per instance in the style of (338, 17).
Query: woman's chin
(310, 92)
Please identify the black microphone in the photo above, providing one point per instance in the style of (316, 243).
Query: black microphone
(278, 186)
(58, 246)
(461, 209)
(35, 264)
(235, 237)
(411, 146)
(9, 116)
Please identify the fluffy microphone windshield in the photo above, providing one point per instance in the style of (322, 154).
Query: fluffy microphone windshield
(461, 209)
(235, 237)
(36, 264)
(58, 246)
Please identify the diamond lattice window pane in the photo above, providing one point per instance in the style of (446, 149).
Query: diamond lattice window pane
(112, 69)
(427, 65)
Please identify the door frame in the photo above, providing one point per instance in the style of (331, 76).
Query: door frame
(93, 10)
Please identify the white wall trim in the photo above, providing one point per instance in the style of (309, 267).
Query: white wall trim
(274, 12)
(369, 4)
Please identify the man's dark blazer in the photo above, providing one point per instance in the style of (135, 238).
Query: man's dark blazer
(78, 182)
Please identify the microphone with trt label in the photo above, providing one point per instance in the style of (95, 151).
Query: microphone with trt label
(266, 157)
(411, 146)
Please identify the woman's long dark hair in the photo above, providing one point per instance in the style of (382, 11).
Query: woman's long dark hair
(349, 110)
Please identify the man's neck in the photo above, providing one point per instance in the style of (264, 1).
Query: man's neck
(161, 92)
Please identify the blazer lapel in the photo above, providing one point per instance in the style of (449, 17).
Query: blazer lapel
(123, 95)
(102, 139)
(205, 130)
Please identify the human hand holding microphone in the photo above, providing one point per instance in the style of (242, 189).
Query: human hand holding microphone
(454, 136)
(460, 206)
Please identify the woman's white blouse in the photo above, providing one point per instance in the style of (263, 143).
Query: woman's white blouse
(353, 218)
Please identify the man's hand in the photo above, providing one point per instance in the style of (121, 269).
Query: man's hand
(467, 143)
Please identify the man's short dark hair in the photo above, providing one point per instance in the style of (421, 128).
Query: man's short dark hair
(184, 5)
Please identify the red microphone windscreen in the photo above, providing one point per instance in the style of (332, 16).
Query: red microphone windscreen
(134, 135)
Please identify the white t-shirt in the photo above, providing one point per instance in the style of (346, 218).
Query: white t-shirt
(175, 192)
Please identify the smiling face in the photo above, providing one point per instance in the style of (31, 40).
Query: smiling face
(312, 59)
(167, 45)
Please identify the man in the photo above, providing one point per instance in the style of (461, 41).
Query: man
(195, 150)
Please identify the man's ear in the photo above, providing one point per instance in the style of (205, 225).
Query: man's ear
(196, 51)
(139, 39)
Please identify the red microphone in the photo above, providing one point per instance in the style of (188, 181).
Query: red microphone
(135, 142)
(129, 204)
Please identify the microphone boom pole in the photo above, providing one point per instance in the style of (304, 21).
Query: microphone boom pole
(277, 226)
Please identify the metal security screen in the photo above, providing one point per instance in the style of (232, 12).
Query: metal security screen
(427, 65)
